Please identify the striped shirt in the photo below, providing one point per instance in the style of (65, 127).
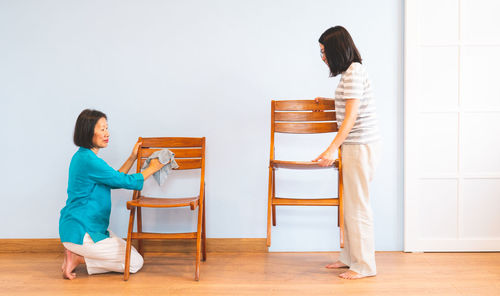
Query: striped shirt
(354, 84)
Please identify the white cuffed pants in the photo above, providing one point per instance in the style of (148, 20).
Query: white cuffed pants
(106, 255)
(358, 167)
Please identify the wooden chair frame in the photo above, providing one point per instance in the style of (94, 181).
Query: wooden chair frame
(302, 117)
(189, 154)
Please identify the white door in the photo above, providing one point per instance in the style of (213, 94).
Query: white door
(452, 125)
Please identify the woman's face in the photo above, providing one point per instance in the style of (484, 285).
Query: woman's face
(323, 57)
(101, 134)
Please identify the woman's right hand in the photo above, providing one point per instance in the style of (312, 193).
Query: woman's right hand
(317, 100)
(155, 164)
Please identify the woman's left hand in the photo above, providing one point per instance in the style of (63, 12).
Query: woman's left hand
(135, 150)
(326, 158)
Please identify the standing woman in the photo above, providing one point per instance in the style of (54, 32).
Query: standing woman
(84, 221)
(358, 137)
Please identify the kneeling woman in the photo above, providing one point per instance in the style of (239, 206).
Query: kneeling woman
(84, 221)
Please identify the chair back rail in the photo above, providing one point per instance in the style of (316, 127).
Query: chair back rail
(188, 152)
(304, 105)
(303, 117)
(172, 142)
(184, 163)
(305, 128)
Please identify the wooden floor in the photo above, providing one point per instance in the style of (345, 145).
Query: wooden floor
(260, 274)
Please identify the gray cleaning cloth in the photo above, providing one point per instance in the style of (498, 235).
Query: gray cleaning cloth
(166, 157)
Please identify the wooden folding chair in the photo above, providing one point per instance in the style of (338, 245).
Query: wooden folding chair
(189, 154)
(302, 117)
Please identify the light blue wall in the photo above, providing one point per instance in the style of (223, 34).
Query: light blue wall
(189, 68)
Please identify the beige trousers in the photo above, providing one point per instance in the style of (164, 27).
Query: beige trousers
(106, 255)
(358, 166)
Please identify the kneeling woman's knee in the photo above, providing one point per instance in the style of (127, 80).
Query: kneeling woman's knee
(136, 262)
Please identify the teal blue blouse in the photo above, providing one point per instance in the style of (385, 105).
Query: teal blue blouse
(88, 206)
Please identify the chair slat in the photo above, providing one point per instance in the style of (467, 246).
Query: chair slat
(171, 142)
(304, 105)
(179, 153)
(301, 165)
(305, 116)
(184, 163)
(279, 201)
(148, 235)
(305, 128)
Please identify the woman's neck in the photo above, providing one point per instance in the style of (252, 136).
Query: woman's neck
(95, 150)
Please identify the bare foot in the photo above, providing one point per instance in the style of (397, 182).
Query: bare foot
(71, 261)
(336, 264)
(351, 275)
(64, 263)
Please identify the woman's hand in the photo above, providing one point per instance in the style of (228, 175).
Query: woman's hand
(326, 158)
(155, 165)
(130, 161)
(317, 100)
(133, 156)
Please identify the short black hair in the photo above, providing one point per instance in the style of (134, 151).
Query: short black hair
(84, 127)
(340, 51)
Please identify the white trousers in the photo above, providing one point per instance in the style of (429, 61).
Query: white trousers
(358, 167)
(106, 255)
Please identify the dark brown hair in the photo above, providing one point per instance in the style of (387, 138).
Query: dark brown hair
(84, 127)
(340, 51)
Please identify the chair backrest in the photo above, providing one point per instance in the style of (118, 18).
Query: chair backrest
(189, 152)
(301, 117)
(298, 116)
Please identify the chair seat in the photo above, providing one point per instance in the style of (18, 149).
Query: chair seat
(301, 165)
(152, 202)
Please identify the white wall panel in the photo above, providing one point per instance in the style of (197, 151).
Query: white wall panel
(438, 79)
(480, 77)
(481, 219)
(480, 22)
(481, 143)
(438, 209)
(439, 138)
(438, 21)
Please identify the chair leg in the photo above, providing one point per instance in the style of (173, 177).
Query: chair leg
(198, 242)
(341, 202)
(273, 196)
(338, 196)
(139, 230)
(342, 237)
(126, 272)
(204, 234)
(274, 215)
(269, 207)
